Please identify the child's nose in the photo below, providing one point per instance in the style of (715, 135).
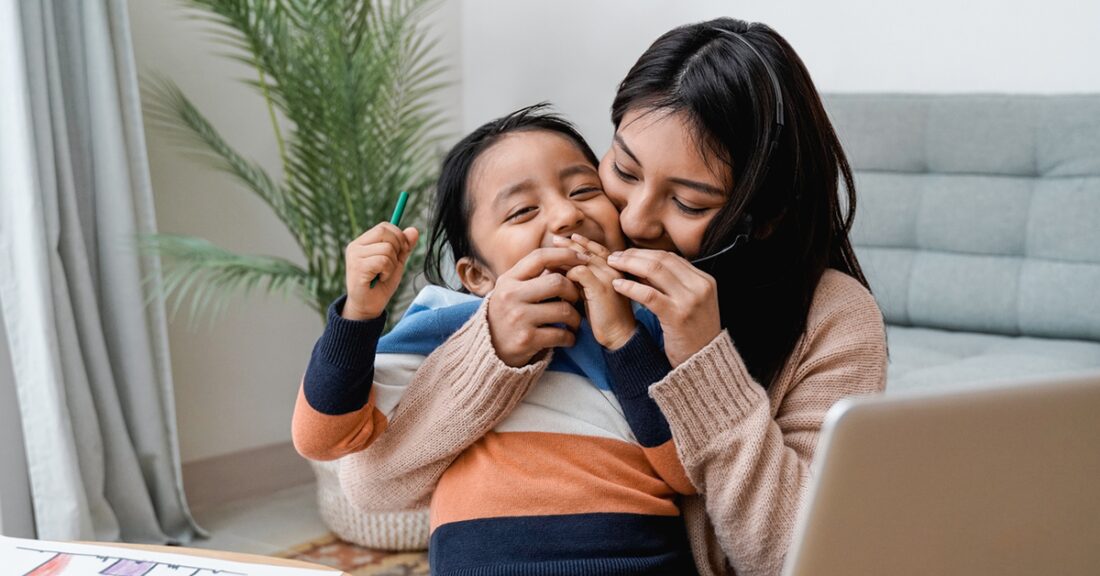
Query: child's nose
(565, 217)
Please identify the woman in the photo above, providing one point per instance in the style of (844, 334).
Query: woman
(725, 170)
(721, 140)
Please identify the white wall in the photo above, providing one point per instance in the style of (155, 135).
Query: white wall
(575, 52)
(235, 378)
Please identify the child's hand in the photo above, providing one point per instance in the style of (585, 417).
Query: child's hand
(609, 312)
(531, 307)
(379, 252)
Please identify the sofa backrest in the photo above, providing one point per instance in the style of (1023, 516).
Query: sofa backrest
(978, 212)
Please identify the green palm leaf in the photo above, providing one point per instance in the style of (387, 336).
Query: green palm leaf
(348, 85)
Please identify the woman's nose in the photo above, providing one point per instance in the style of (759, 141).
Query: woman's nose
(640, 219)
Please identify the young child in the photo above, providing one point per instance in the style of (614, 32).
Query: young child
(572, 469)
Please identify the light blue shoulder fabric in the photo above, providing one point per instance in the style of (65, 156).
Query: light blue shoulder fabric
(438, 312)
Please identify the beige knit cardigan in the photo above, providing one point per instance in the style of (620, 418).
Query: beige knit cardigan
(747, 451)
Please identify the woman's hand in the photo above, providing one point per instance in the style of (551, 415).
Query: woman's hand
(379, 252)
(610, 313)
(531, 308)
(684, 298)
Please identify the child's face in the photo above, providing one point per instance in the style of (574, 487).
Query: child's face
(526, 188)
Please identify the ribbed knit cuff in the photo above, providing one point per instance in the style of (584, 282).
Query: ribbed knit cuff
(708, 393)
(338, 378)
(349, 344)
(632, 369)
(488, 387)
(637, 365)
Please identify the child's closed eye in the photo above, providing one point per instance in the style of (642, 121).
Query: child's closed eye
(521, 214)
(585, 192)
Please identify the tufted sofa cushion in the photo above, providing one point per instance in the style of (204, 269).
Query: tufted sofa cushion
(979, 215)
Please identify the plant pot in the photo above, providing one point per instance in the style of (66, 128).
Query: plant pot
(396, 531)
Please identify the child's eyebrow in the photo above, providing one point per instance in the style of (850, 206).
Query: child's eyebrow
(577, 169)
(512, 190)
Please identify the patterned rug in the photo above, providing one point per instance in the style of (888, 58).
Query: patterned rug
(359, 561)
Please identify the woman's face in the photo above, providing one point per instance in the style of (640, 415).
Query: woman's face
(525, 189)
(666, 189)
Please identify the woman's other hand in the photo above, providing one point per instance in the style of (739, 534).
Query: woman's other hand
(531, 306)
(684, 298)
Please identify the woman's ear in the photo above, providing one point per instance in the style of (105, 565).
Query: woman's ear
(475, 276)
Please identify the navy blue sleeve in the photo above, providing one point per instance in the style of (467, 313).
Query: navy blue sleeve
(341, 369)
(633, 368)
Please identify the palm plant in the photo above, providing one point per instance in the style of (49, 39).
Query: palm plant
(351, 80)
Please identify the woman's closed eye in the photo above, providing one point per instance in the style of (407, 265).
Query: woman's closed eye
(689, 210)
(622, 174)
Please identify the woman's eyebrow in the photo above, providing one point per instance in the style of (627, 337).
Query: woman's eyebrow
(622, 144)
(694, 185)
(700, 186)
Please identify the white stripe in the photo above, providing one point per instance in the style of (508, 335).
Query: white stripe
(565, 403)
(560, 402)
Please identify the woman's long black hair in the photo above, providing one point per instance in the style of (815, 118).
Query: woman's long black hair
(450, 228)
(800, 222)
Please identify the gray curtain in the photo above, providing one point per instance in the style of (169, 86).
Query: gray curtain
(89, 356)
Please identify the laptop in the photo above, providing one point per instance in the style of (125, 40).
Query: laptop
(1000, 479)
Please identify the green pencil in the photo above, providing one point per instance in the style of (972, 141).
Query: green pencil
(398, 212)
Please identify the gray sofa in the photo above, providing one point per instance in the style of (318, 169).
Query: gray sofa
(978, 226)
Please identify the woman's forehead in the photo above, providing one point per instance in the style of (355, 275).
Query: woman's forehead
(667, 143)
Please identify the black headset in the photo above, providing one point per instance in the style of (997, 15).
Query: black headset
(745, 225)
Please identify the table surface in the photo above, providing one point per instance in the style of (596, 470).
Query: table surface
(232, 556)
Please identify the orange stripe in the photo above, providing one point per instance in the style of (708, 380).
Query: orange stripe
(541, 473)
(667, 463)
(320, 436)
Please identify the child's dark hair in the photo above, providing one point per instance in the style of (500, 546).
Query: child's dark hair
(451, 214)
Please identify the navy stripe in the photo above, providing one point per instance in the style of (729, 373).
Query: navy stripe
(341, 368)
(598, 543)
(633, 368)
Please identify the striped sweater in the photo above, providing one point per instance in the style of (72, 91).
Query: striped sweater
(579, 476)
(747, 450)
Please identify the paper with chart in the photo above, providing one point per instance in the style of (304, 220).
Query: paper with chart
(20, 557)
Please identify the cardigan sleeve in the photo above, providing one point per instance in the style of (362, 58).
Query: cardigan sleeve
(750, 463)
(445, 408)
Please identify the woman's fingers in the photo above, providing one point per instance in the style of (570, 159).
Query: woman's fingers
(663, 270)
(551, 313)
(549, 286)
(648, 296)
(551, 337)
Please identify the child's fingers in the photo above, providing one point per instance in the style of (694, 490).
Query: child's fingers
(590, 282)
(361, 252)
(542, 259)
(591, 246)
(411, 235)
(383, 232)
(378, 266)
(583, 276)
